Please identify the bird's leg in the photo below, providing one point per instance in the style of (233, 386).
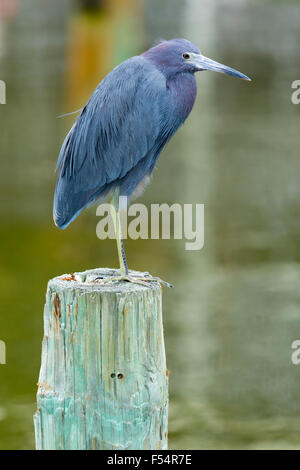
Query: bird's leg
(124, 272)
(120, 245)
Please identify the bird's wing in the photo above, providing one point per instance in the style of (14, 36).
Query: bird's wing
(122, 122)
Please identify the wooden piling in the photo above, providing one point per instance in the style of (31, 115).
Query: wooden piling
(103, 381)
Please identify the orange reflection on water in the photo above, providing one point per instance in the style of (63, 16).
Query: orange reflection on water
(99, 39)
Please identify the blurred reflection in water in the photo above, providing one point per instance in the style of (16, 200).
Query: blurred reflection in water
(232, 318)
(101, 35)
(8, 10)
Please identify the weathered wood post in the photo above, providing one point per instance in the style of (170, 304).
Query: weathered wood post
(103, 382)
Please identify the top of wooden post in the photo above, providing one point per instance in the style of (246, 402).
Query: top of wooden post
(91, 280)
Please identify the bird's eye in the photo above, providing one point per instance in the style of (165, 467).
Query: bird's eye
(185, 55)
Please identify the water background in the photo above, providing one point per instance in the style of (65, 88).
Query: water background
(234, 313)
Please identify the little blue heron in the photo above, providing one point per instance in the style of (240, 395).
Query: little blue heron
(113, 146)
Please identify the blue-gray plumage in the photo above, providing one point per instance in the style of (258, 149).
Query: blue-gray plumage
(118, 136)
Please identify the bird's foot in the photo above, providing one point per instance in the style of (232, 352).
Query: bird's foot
(147, 278)
(134, 279)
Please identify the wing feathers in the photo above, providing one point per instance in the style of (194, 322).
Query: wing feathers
(120, 125)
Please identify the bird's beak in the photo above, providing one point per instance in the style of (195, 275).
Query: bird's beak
(204, 63)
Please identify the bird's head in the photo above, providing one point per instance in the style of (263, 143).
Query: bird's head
(181, 55)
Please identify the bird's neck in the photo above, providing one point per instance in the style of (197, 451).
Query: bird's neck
(183, 89)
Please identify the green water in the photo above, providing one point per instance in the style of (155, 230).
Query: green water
(234, 313)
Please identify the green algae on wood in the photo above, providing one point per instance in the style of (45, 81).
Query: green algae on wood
(103, 381)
